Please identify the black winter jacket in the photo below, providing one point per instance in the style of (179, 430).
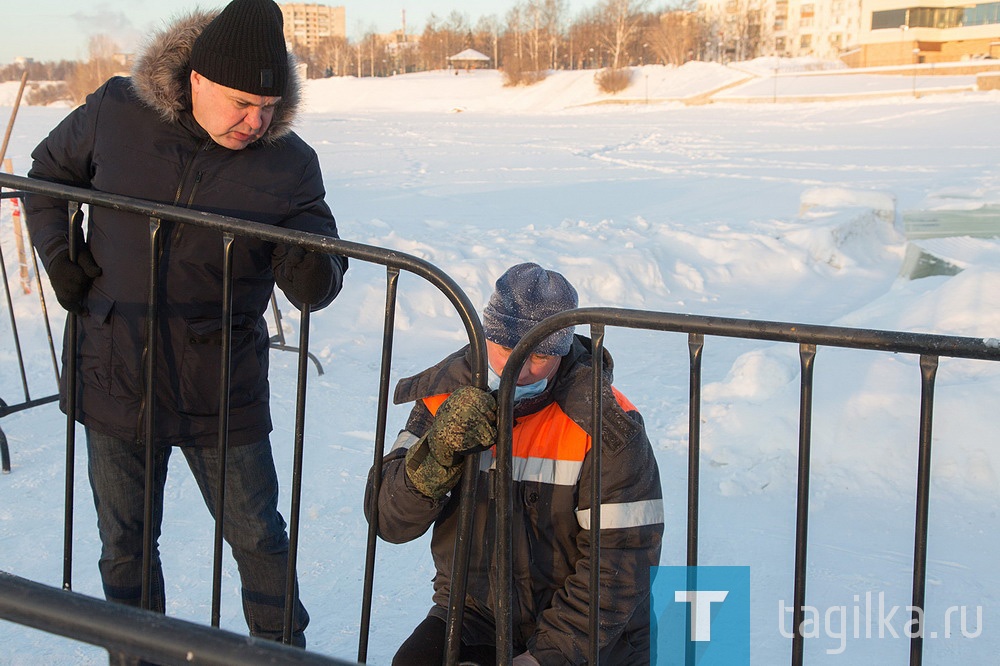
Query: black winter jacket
(551, 537)
(136, 137)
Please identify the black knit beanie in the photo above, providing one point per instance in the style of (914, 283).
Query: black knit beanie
(244, 48)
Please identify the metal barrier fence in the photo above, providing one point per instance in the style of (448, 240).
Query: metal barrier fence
(143, 634)
(928, 347)
(27, 402)
(49, 616)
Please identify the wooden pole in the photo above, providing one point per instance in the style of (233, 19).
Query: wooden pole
(13, 115)
(22, 255)
(8, 166)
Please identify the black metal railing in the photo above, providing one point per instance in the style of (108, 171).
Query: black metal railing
(228, 229)
(26, 402)
(809, 338)
(139, 633)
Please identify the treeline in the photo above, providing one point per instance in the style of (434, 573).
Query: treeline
(534, 36)
(539, 35)
(71, 80)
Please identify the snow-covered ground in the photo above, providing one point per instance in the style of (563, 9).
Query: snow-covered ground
(790, 212)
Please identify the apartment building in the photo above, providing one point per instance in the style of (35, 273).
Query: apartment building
(307, 24)
(787, 28)
(900, 32)
(820, 28)
(862, 33)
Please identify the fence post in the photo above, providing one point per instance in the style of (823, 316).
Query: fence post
(297, 458)
(928, 373)
(807, 357)
(224, 379)
(596, 442)
(75, 221)
(19, 244)
(391, 288)
(4, 453)
(149, 423)
(696, 345)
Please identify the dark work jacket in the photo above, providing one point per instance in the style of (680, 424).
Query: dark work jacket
(551, 501)
(136, 137)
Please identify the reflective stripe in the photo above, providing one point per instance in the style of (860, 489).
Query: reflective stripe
(545, 470)
(625, 514)
(405, 440)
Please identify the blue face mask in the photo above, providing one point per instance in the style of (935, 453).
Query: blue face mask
(520, 392)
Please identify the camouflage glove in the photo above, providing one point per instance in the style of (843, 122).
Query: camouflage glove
(465, 423)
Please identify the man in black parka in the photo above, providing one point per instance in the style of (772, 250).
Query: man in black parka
(203, 122)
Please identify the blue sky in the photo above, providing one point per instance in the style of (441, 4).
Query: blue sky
(58, 29)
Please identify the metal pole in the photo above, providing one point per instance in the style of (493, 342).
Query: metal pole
(596, 441)
(4, 453)
(392, 282)
(460, 561)
(928, 372)
(293, 519)
(807, 355)
(696, 344)
(504, 507)
(72, 342)
(226, 363)
(466, 520)
(155, 228)
(13, 326)
(45, 310)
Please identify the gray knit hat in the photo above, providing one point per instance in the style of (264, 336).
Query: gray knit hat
(244, 48)
(525, 295)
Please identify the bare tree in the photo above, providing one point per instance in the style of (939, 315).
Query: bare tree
(585, 49)
(38, 71)
(373, 55)
(536, 28)
(516, 28)
(486, 38)
(523, 63)
(533, 20)
(442, 39)
(101, 66)
(553, 15)
(330, 57)
(677, 36)
(619, 22)
(739, 27)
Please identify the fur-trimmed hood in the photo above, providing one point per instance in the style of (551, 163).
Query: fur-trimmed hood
(161, 75)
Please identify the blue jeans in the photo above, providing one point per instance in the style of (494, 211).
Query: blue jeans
(253, 527)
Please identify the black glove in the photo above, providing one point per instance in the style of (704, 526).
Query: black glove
(307, 277)
(71, 280)
(465, 423)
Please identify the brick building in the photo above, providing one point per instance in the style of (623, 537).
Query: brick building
(306, 24)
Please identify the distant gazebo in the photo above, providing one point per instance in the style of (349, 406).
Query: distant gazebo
(470, 59)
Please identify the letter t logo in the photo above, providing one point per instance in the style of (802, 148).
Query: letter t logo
(701, 610)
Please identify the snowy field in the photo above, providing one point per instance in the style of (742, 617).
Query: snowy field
(786, 212)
